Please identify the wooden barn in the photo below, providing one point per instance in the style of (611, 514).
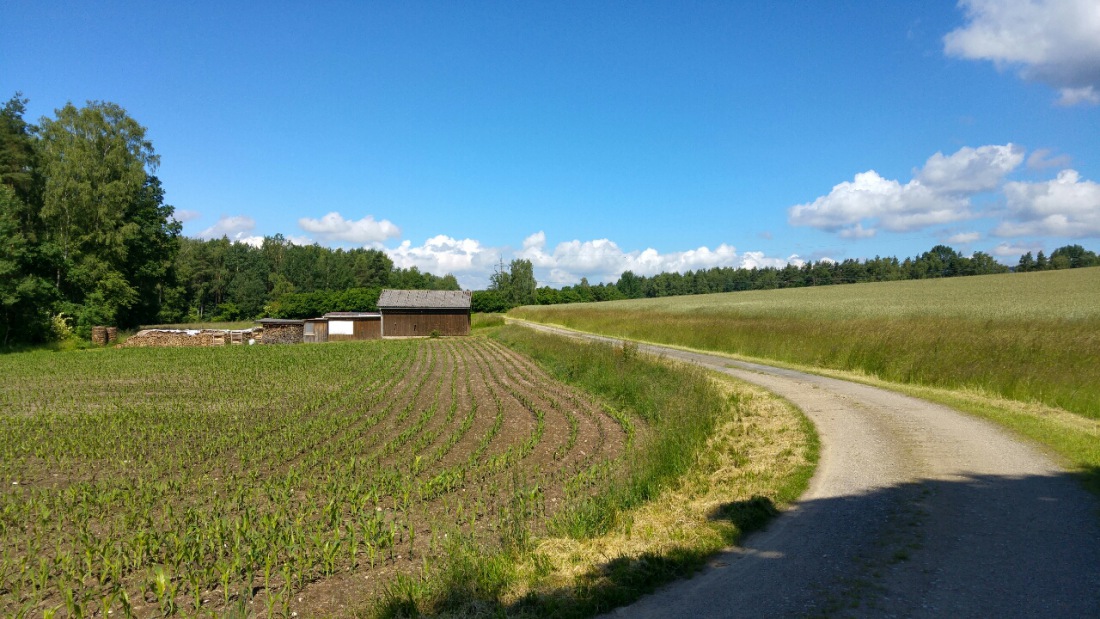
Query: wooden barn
(351, 326)
(420, 313)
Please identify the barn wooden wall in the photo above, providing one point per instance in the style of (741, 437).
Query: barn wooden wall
(364, 330)
(414, 323)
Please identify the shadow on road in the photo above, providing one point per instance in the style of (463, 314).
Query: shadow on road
(975, 546)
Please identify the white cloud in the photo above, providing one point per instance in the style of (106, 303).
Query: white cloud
(235, 228)
(857, 232)
(334, 228)
(938, 194)
(1056, 42)
(1014, 250)
(184, 215)
(964, 238)
(757, 260)
(877, 202)
(599, 260)
(604, 260)
(970, 170)
(1066, 206)
(1073, 96)
(467, 259)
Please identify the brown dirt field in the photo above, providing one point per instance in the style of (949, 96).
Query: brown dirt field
(495, 373)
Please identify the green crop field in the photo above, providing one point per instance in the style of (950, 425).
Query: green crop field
(1032, 337)
(277, 479)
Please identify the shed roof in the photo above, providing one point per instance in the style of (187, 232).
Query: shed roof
(280, 321)
(433, 299)
(353, 315)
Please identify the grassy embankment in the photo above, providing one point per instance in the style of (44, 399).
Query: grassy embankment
(1021, 349)
(710, 459)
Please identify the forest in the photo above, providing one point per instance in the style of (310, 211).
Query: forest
(86, 239)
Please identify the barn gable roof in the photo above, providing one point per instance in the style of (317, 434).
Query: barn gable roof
(429, 299)
(353, 315)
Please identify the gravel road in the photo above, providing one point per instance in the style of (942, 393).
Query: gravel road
(916, 510)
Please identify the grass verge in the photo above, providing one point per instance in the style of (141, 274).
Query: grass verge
(1071, 438)
(713, 459)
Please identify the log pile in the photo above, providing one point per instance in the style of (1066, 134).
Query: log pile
(178, 338)
(283, 333)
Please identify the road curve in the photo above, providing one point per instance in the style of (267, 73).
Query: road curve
(916, 510)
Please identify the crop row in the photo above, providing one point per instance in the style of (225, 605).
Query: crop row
(150, 482)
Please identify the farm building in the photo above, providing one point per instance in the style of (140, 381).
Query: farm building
(418, 313)
(343, 326)
(315, 330)
(282, 331)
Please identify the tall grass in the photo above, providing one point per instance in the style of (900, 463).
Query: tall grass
(675, 407)
(1028, 337)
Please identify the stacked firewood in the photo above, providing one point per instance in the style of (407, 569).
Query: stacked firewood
(176, 338)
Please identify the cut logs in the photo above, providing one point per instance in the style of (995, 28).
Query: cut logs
(179, 338)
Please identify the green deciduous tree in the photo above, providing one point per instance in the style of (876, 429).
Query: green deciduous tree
(521, 277)
(26, 297)
(1073, 257)
(103, 211)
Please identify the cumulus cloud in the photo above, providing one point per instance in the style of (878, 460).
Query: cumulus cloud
(599, 260)
(235, 228)
(1066, 206)
(442, 254)
(939, 193)
(1056, 42)
(604, 260)
(970, 170)
(334, 228)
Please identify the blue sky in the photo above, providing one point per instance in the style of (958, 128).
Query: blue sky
(595, 137)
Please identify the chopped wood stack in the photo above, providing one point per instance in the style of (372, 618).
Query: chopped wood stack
(99, 335)
(178, 338)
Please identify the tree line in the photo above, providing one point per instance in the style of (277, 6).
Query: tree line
(86, 239)
(221, 280)
(940, 261)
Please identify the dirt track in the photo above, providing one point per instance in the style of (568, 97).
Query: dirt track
(916, 510)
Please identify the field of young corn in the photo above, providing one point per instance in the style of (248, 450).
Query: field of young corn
(275, 480)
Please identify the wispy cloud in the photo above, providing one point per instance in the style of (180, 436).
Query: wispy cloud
(184, 215)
